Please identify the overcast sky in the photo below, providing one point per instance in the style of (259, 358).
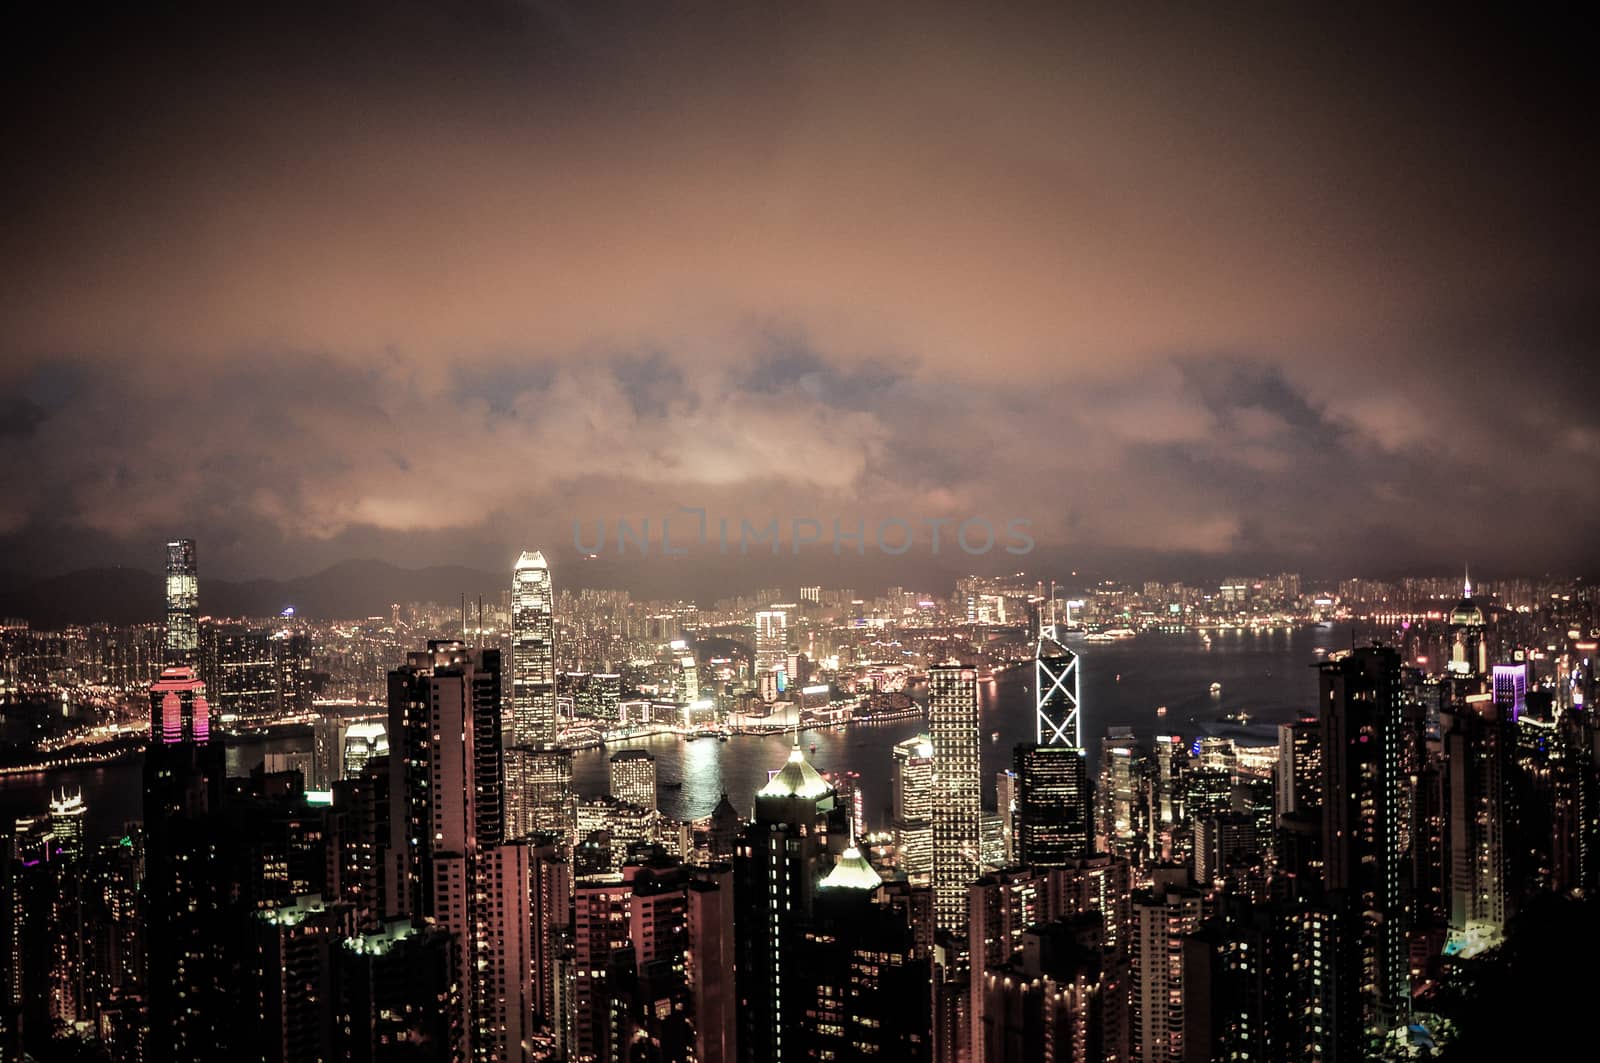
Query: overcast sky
(430, 282)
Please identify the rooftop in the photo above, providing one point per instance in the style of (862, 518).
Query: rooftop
(796, 778)
(852, 872)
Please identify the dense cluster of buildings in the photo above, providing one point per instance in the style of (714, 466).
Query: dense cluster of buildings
(424, 883)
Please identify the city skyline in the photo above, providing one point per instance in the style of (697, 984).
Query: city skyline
(567, 531)
(1323, 876)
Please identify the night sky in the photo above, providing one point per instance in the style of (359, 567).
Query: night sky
(427, 282)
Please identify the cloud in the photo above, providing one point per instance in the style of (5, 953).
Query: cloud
(321, 280)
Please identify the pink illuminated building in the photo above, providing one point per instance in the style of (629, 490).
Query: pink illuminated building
(179, 711)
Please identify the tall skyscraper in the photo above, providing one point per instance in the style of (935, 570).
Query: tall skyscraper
(782, 857)
(1055, 805)
(539, 795)
(708, 964)
(1171, 758)
(533, 653)
(1005, 803)
(1477, 751)
(184, 780)
(430, 720)
(446, 787)
(687, 687)
(603, 958)
(183, 603)
(1298, 775)
(1163, 995)
(1363, 720)
(179, 709)
(1055, 685)
(538, 775)
(239, 670)
(772, 640)
(913, 780)
(67, 813)
(291, 978)
(1510, 683)
(860, 991)
(1120, 769)
(1469, 648)
(957, 807)
(503, 993)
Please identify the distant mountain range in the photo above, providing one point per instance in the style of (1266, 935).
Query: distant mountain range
(346, 590)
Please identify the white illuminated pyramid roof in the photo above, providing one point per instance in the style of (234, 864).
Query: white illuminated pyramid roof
(852, 872)
(796, 779)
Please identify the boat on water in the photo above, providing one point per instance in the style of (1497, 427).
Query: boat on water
(1098, 636)
(675, 784)
(1161, 710)
(1216, 688)
(722, 738)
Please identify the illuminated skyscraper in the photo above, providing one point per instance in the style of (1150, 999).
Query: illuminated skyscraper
(772, 640)
(1298, 775)
(1055, 685)
(781, 858)
(1119, 773)
(1511, 690)
(1469, 649)
(538, 775)
(179, 710)
(363, 742)
(503, 995)
(859, 989)
(66, 822)
(1005, 803)
(1363, 719)
(912, 812)
(1477, 739)
(633, 778)
(1171, 758)
(603, 959)
(241, 675)
(184, 892)
(1055, 806)
(957, 808)
(183, 603)
(1163, 989)
(688, 682)
(533, 658)
(446, 788)
(539, 797)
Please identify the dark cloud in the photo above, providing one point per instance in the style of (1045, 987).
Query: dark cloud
(429, 281)
(19, 416)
